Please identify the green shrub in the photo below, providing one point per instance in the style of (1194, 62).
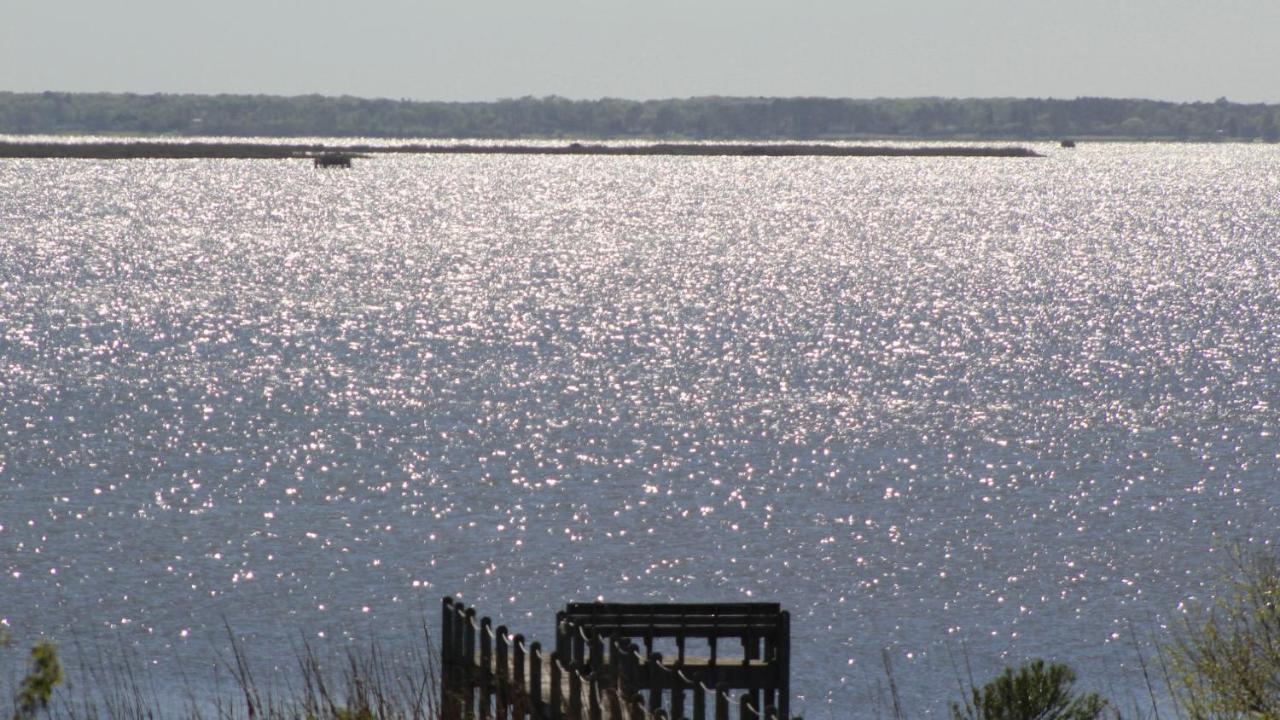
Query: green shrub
(1226, 656)
(37, 686)
(1034, 692)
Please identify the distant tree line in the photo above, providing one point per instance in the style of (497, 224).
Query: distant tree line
(693, 118)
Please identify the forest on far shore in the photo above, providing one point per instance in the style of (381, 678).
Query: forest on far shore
(703, 118)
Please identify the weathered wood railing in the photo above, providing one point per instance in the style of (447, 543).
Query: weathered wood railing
(763, 631)
(489, 674)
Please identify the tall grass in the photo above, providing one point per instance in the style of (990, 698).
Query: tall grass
(365, 682)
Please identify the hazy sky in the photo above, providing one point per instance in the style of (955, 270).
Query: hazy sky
(487, 49)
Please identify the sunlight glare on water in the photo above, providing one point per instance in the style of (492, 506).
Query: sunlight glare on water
(1012, 405)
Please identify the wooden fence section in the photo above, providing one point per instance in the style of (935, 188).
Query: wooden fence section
(763, 631)
(489, 674)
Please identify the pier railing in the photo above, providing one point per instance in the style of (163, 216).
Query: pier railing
(761, 630)
(489, 674)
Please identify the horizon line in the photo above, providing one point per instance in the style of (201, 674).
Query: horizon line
(603, 98)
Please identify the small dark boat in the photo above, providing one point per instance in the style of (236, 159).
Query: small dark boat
(333, 160)
(1068, 143)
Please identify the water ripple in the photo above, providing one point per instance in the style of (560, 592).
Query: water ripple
(917, 401)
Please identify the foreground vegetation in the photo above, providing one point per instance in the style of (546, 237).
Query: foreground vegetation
(694, 118)
(1034, 692)
(362, 684)
(1226, 656)
(1221, 663)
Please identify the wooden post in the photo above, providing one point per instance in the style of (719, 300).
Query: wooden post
(750, 652)
(653, 673)
(501, 668)
(715, 638)
(699, 701)
(677, 703)
(518, 698)
(784, 667)
(615, 663)
(579, 647)
(562, 636)
(648, 638)
(722, 702)
(535, 680)
(593, 699)
(575, 694)
(557, 693)
(486, 668)
(468, 674)
(596, 655)
(594, 660)
(747, 708)
(629, 681)
(447, 661)
(460, 678)
(771, 657)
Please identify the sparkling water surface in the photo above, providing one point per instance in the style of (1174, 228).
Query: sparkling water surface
(1004, 407)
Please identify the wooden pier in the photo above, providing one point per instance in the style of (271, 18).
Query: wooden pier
(599, 672)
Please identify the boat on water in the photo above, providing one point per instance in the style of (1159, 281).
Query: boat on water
(333, 160)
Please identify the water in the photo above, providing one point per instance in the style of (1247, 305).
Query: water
(1006, 408)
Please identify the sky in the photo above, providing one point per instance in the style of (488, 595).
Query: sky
(1179, 50)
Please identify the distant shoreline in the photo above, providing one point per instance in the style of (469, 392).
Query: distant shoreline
(734, 119)
(131, 150)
